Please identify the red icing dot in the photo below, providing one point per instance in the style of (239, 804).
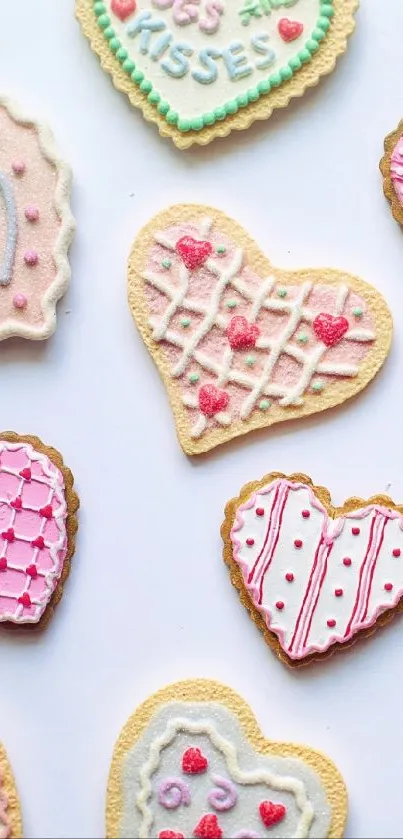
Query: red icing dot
(331, 623)
(17, 503)
(338, 592)
(8, 535)
(39, 542)
(298, 543)
(347, 561)
(25, 599)
(396, 551)
(32, 571)
(250, 542)
(46, 512)
(279, 605)
(259, 511)
(26, 474)
(355, 531)
(388, 586)
(3, 563)
(305, 514)
(193, 762)
(289, 577)
(208, 828)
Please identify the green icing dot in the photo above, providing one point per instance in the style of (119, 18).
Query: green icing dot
(114, 44)
(231, 107)
(128, 66)
(323, 23)
(242, 100)
(197, 124)
(231, 304)
(99, 8)
(326, 9)
(221, 249)
(317, 387)
(264, 405)
(304, 55)
(163, 108)
(294, 63)
(264, 86)
(193, 378)
(209, 118)
(302, 338)
(122, 54)
(172, 117)
(220, 113)
(103, 21)
(253, 94)
(357, 312)
(146, 86)
(166, 263)
(154, 97)
(250, 360)
(318, 34)
(281, 292)
(312, 45)
(184, 124)
(109, 33)
(137, 76)
(286, 73)
(185, 322)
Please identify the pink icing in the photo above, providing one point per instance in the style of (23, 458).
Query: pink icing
(35, 190)
(246, 366)
(20, 301)
(396, 169)
(5, 824)
(29, 574)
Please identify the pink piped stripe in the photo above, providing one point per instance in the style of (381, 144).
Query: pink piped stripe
(273, 538)
(304, 610)
(364, 576)
(252, 573)
(371, 571)
(305, 646)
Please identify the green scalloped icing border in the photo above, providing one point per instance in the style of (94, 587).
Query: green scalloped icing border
(262, 89)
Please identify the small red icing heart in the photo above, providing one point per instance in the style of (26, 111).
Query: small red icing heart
(193, 762)
(123, 8)
(39, 542)
(3, 563)
(17, 503)
(330, 329)
(193, 253)
(271, 813)
(208, 828)
(241, 334)
(8, 535)
(32, 571)
(25, 599)
(290, 30)
(212, 400)
(170, 834)
(46, 512)
(26, 474)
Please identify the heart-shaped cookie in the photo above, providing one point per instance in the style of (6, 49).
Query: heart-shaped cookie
(10, 810)
(391, 167)
(240, 344)
(38, 523)
(311, 575)
(250, 787)
(202, 68)
(36, 226)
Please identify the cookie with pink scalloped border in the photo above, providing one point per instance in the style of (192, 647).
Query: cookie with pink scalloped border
(38, 523)
(36, 226)
(10, 808)
(240, 344)
(391, 167)
(313, 577)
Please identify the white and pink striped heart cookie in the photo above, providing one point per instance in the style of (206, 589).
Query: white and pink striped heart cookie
(316, 577)
(37, 529)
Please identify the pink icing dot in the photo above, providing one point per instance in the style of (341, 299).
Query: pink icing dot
(18, 167)
(289, 577)
(279, 605)
(388, 586)
(331, 623)
(31, 213)
(305, 514)
(355, 531)
(250, 542)
(396, 552)
(20, 301)
(31, 257)
(298, 543)
(347, 560)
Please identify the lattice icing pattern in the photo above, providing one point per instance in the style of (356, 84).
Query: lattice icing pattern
(33, 537)
(316, 580)
(396, 169)
(238, 344)
(36, 226)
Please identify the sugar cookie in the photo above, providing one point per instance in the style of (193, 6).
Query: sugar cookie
(10, 811)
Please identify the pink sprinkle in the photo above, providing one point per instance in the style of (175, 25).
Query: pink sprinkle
(31, 257)
(338, 592)
(331, 623)
(396, 552)
(388, 586)
(20, 301)
(355, 531)
(347, 560)
(32, 213)
(250, 542)
(305, 514)
(279, 605)
(289, 577)
(298, 543)
(259, 511)
(18, 167)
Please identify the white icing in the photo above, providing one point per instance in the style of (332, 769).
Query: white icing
(245, 778)
(187, 94)
(317, 566)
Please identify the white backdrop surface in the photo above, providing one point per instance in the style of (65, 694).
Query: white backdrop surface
(149, 600)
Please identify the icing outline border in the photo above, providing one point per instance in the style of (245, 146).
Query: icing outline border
(61, 202)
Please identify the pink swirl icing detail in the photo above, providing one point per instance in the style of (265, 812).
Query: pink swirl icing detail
(224, 796)
(173, 793)
(396, 169)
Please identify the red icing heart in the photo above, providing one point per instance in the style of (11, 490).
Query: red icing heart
(32, 571)
(241, 334)
(25, 599)
(26, 474)
(9, 535)
(193, 253)
(123, 8)
(271, 813)
(290, 30)
(193, 762)
(17, 503)
(212, 400)
(170, 834)
(329, 329)
(208, 828)
(3, 563)
(46, 512)
(39, 542)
